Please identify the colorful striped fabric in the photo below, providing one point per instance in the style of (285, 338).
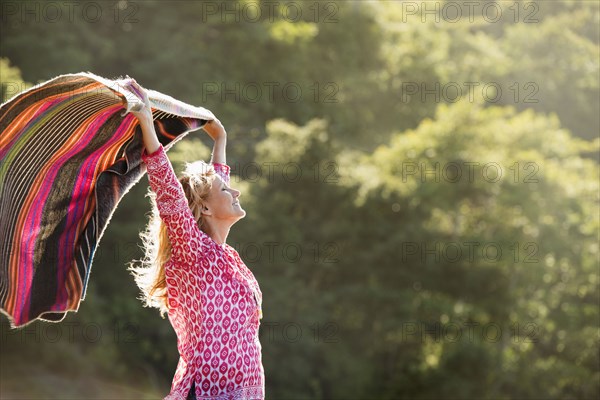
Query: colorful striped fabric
(69, 151)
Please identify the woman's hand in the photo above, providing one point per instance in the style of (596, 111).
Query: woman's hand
(215, 129)
(144, 114)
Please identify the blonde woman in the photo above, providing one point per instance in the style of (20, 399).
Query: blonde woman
(189, 271)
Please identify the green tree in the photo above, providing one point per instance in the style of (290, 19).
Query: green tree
(420, 212)
(11, 82)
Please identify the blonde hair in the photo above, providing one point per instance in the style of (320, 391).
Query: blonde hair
(149, 274)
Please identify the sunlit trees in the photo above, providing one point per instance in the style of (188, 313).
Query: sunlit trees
(483, 219)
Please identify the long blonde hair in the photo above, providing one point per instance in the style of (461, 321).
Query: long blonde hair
(149, 272)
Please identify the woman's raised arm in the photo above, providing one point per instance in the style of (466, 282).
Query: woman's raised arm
(216, 131)
(144, 115)
(171, 201)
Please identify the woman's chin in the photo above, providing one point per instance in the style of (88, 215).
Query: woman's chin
(240, 213)
(239, 208)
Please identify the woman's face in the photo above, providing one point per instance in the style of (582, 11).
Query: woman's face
(223, 202)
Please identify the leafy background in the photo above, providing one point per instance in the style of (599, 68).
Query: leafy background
(380, 267)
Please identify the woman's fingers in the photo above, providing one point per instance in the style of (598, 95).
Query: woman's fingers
(138, 91)
(133, 85)
(214, 129)
(143, 108)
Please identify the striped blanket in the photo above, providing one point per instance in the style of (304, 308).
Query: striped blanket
(69, 151)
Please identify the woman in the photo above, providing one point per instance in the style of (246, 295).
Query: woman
(212, 299)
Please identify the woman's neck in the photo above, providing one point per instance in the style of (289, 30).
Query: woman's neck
(217, 231)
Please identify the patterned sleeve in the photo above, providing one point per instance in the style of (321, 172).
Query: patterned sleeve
(182, 228)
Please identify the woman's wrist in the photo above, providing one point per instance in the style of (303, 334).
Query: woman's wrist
(221, 136)
(145, 118)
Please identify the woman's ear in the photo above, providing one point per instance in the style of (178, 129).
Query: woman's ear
(204, 210)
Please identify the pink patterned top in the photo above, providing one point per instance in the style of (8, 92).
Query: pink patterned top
(214, 299)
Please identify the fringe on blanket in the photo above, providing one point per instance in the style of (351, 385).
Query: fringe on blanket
(69, 151)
